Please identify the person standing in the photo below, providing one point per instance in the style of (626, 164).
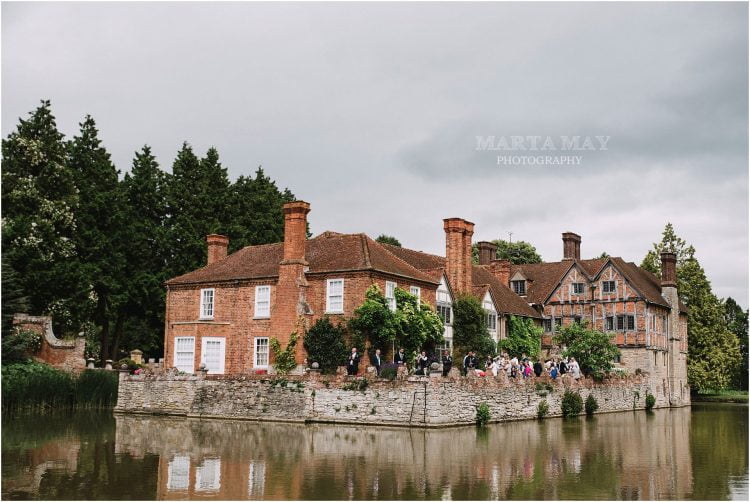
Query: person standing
(538, 368)
(574, 369)
(470, 362)
(400, 357)
(377, 362)
(563, 366)
(447, 363)
(352, 366)
(422, 363)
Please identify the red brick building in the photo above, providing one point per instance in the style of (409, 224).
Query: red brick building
(224, 314)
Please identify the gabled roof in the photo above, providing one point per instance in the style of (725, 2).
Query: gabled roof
(329, 252)
(507, 301)
(543, 278)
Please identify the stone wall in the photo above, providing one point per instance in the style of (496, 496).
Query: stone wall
(66, 355)
(413, 401)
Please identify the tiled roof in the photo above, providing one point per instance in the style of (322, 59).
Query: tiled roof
(327, 253)
(482, 279)
(544, 278)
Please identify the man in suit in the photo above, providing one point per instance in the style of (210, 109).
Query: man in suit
(400, 357)
(352, 366)
(377, 362)
(447, 363)
(470, 362)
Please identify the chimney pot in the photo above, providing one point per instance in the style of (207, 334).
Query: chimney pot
(668, 269)
(217, 247)
(571, 246)
(487, 252)
(295, 230)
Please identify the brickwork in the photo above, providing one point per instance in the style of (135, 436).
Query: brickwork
(66, 355)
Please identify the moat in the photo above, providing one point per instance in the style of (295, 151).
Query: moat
(699, 452)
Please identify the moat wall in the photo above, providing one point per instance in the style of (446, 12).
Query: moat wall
(414, 401)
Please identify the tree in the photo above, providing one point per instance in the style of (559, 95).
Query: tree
(737, 323)
(388, 239)
(14, 299)
(713, 351)
(374, 322)
(603, 255)
(470, 327)
(100, 240)
(325, 345)
(593, 349)
(256, 211)
(39, 197)
(518, 252)
(524, 337)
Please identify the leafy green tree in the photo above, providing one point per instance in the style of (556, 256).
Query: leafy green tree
(603, 255)
(524, 337)
(14, 299)
(375, 323)
(197, 198)
(418, 326)
(593, 349)
(713, 351)
(388, 239)
(100, 239)
(737, 323)
(255, 211)
(470, 327)
(39, 198)
(518, 252)
(325, 344)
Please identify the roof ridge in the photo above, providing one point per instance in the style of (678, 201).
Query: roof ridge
(412, 250)
(365, 249)
(396, 257)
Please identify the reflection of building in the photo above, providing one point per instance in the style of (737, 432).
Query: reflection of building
(629, 455)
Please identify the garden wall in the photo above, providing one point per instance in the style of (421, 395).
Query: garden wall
(412, 401)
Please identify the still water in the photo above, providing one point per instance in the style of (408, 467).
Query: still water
(698, 453)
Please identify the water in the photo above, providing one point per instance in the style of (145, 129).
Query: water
(698, 453)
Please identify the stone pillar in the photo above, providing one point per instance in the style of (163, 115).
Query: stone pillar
(108, 364)
(137, 356)
(90, 363)
(669, 292)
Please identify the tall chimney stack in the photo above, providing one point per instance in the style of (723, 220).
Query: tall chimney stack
(217, 247)
(487, 252)
(571, 246)
(668, 269)
(295, 231)
(458, 234)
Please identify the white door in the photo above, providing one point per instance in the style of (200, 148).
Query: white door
(212, 355)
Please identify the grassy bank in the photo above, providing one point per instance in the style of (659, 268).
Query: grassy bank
(721, 396)
(35, 386)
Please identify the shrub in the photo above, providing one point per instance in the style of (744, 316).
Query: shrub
(483, 414)
(324, 343)
(19, 345)
(591, 405)
(132, 365)
(284, 361)
(650, 401)
(542, 409)
(359, 384)
(388, 373)
(572, 404)
(470, 328)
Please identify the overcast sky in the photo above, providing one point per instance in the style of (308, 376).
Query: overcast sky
(371, 112)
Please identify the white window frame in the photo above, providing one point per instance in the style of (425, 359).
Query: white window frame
(390, 294)
(174, 358)
(573, 288)
(416, 291)
(203, 308)
(513, 285)
(612, 291)
(178, 473)
(267, 346)
(262, 296)
(222, 356)
(209, 465)
(330, 294)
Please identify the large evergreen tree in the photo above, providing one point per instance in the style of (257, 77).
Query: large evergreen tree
(39, 198)
(713, 351)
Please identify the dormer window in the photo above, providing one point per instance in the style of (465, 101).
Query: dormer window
(519, 287)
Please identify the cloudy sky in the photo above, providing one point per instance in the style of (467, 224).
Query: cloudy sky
(371, 112)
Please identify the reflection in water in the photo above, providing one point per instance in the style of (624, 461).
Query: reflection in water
(670, 454)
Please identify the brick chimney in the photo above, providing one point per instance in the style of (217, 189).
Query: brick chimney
(487, 252)
(217, 247)
(501, 270)
(668, 269)
(571, 246)
(295, 231)
(458, 234)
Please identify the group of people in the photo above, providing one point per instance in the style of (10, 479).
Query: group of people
(513, 367)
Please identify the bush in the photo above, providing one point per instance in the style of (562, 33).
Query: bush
(283, 360)
(324, 343)
(593, 349)
(483, 414)
(470, 328)
(20, 345)
(650, 401)
(359, 384)
(542, 409)
(572, 404)
(132, 365)
(388, 372)
(591, 405)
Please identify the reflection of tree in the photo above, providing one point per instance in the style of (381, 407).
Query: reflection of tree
(718, 448)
